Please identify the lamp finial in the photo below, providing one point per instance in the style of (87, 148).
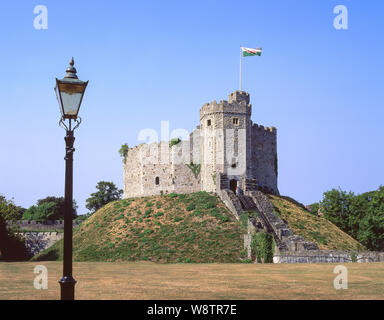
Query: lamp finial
(71, 70)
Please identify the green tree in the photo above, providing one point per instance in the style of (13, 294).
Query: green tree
(12, 246)
(42, 213)
(49, 208)
(107, 192)
(358, 210)
(336, 205)
(8, 209)
(361, 216)
(371, 227)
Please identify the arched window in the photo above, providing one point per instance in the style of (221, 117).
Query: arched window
(157, 180)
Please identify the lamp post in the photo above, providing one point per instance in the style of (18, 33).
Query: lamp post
(69, 92)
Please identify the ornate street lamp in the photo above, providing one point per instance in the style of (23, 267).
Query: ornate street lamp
(69, 92)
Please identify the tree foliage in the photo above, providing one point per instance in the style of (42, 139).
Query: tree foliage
(12, 246)
(195, 168)
(174, 142)
(361, 216)
(262, 247)
(123, 151)
(8, 209)
(49, 208)
(107, 192)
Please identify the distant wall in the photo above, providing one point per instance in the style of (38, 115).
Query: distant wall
(324, 256)
(37, 225)
(36, 242)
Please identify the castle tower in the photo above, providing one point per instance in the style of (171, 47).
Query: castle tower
(225, 151)
(225, 130)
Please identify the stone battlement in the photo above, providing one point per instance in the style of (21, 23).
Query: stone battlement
(239, 96)
(225, 141)
(266, 129)
(239, 106)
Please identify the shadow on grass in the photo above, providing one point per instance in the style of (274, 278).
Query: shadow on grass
(51, 255)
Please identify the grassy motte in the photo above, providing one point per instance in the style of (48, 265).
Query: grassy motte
(312, 227)
(194, 227)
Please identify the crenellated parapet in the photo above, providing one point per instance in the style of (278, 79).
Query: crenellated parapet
(262, 129)
(239, 96)
(233, 106)
(225, 142)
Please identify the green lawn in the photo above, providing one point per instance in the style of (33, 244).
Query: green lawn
(146, 280)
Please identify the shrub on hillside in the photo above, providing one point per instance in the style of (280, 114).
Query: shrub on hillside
(262, 246)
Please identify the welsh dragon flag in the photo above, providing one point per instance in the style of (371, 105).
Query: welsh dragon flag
(251, 52)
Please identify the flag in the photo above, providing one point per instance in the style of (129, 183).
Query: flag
(251, 52)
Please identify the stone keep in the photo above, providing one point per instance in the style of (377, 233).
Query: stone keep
(226, 150)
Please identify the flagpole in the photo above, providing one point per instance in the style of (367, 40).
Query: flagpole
(240, 66)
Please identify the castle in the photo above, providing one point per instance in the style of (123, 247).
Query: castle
(225, 150)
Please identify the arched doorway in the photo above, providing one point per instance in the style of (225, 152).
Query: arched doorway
(233, 185)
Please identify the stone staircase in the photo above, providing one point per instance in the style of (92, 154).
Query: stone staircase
(289, 247)
(264, 218)
(247, 203)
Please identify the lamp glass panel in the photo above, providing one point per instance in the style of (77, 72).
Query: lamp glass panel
(58, 98)
(71, 95)
(71, 103)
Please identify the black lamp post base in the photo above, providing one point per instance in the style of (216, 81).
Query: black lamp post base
(67, 285)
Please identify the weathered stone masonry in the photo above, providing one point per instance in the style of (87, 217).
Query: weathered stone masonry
(225, 145)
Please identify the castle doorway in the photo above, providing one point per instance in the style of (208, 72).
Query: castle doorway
(233, 185)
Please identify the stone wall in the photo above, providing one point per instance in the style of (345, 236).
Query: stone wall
(325, 256)
(264, 158)
(37, 226)
(133, 173)
(159, 169)
(36, 242)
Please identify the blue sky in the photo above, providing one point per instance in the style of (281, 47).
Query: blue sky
(148, 61)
